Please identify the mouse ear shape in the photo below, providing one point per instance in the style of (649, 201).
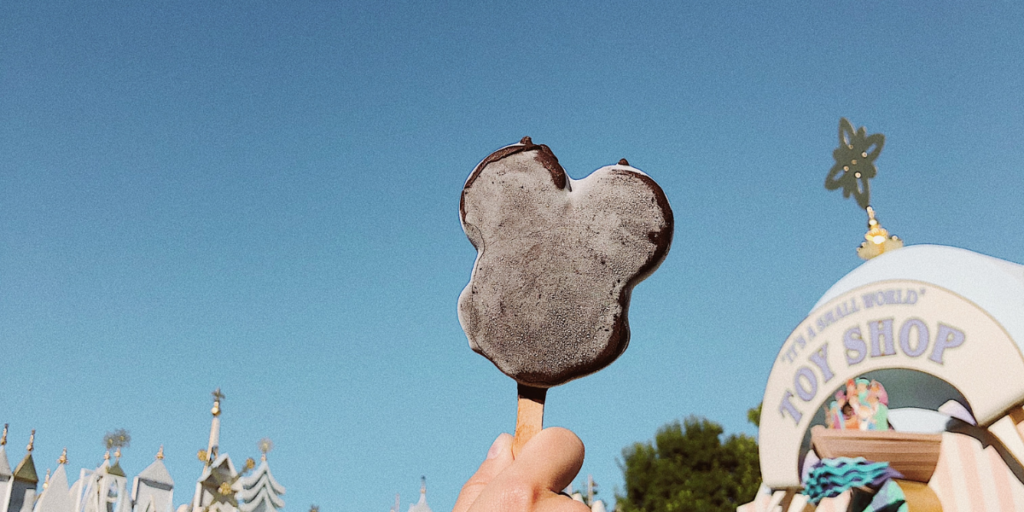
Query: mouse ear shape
(557, 260)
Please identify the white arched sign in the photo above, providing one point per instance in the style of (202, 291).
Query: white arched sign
(893, 324)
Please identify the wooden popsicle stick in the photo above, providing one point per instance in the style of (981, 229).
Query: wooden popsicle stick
(529, 416)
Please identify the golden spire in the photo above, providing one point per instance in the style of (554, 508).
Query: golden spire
(106, 456)
(217, 397)
(877, 240)
(117, 454)
(46, 482)
(31, 441)
(160, 454)
(63, 457)
(3, 440)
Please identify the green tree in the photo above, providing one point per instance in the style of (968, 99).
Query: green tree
(690, 469)
(754, 415)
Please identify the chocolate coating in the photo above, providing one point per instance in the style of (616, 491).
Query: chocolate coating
(556, 261)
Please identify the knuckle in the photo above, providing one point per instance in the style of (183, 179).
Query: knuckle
(518, 496)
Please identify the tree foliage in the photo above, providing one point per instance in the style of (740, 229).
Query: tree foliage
(690, 469)
(754, 415)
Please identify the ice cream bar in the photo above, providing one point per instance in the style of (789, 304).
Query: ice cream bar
(556, 261)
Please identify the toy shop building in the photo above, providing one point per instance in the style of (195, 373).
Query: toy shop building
(901, 390)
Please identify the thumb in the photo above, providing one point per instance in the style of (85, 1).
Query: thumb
(498, 458)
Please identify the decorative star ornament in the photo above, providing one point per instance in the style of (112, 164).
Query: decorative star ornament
(855, 162)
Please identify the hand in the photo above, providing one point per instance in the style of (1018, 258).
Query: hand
(532, 482)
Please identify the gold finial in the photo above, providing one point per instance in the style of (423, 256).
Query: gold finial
(63, 457)
(225, 488)
(106, 456)
(853, 172)
(31, 441)
(46, 482)
(877, 240)
(117, 454)
(160, 453)
(423, 485)
(217, 397)
(265, 446)
(3, 440)
(203, 456)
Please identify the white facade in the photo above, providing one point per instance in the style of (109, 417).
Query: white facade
(219, 488)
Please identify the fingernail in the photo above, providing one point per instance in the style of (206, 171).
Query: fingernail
(497, 446)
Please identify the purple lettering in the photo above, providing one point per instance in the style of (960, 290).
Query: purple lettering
(787, 406)
(854, 342)
(922, 337)
(812, 383)
(947, 337)
(878, 329)
(820, 358)
(790, 354)
(801, 341)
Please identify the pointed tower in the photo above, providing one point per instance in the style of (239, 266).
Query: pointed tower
(103, 490)
(6, 476)
(215, 489)
(153, 489)
(214, 444)
(56, 496)
(24, 482)
(421, 506)
(259, 491)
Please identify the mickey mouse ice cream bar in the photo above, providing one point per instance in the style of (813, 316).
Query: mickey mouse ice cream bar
(556, 261)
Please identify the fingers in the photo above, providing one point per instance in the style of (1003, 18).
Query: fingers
(530, 483)
(545, 466)
(499, 457)
(551, 460)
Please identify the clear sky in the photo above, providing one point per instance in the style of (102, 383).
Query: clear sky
(263, 197)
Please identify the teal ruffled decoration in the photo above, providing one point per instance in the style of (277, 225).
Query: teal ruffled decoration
(831, 477)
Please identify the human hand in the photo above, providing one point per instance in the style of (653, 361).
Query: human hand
(531, 482)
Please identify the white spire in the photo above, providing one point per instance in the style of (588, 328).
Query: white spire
(421, 506)
(214, 445)
(215, 490)
(153, 488)
(5, 466)
(259, 491)
(56, 497)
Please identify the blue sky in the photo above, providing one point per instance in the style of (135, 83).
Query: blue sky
(263, 197)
